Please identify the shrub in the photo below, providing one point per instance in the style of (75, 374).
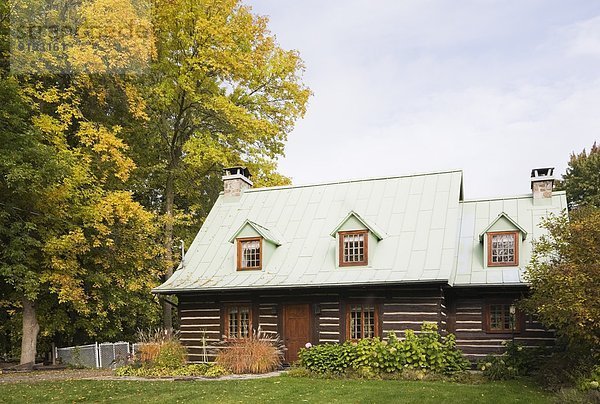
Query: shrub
(259, 353)
(369, 357)
(328, 358)
(590, 382)
(495, 368)
(517, 360)
(170, 355)
(568, 367)
(575, 396)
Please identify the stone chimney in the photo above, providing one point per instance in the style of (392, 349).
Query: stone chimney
(542, 182)
(236, 180)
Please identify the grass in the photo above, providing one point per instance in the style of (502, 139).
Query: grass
(271, 390)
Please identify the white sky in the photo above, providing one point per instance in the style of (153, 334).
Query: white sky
(494, 88)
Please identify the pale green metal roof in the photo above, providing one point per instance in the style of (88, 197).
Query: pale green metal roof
(426, 234)
(478, 216)
(417, 216)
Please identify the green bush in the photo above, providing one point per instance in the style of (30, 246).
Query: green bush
(515, 361)
(590, 382)
(496, 368)
(369, 357)
(171, 355)
(569, 366)
(328, 358)
(575, 396)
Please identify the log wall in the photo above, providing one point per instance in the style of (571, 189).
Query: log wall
(468, 324)
(458, 311)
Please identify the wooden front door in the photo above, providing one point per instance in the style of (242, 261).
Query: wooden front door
(296, 329)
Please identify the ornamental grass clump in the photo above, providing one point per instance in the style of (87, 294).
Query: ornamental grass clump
(259, 353)
(160, 348)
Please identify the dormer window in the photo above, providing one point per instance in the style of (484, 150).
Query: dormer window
(354, 247)
(503, 249)
(501, 240)
(249, 253)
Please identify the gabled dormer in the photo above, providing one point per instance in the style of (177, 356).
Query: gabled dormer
(255, 244)
(356, 240)
(502, 240)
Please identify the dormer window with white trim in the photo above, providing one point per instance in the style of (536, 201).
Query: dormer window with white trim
(254, 246)
(501, 240)
(503, 249)
(356, 240)
(249, 253)
(354, 247)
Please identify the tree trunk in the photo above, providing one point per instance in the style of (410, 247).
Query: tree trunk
(169, 199)
(31, 328)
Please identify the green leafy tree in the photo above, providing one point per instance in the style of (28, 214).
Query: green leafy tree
(220, 92)
(76, 249)
(564, 274)
(582, 179)
(78, 255)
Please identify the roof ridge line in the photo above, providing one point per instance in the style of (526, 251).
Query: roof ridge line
(495, 198)
(352, 181)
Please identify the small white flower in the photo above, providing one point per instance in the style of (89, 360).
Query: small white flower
(308, 345)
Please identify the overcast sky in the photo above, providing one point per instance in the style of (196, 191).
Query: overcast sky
(494, 88)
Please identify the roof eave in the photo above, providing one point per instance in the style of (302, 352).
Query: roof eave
(157, 291)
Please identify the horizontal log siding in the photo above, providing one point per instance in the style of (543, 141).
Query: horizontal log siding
(400, 309)
(328, 322)
(409, 313)
(443, 323)
(476, 343)
(268, 318)
(200, 329)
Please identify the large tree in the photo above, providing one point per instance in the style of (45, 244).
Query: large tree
(564, 274)
(78, 253)
(220, 92)
(113, 132)
(565, 268)
(582, 179)
(73, 242)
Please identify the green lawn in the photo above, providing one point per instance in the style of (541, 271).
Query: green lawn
(272, 390)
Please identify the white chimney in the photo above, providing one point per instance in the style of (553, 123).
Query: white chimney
(236, 180)
(542, 182)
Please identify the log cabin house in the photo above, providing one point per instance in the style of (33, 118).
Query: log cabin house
(346, 260)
